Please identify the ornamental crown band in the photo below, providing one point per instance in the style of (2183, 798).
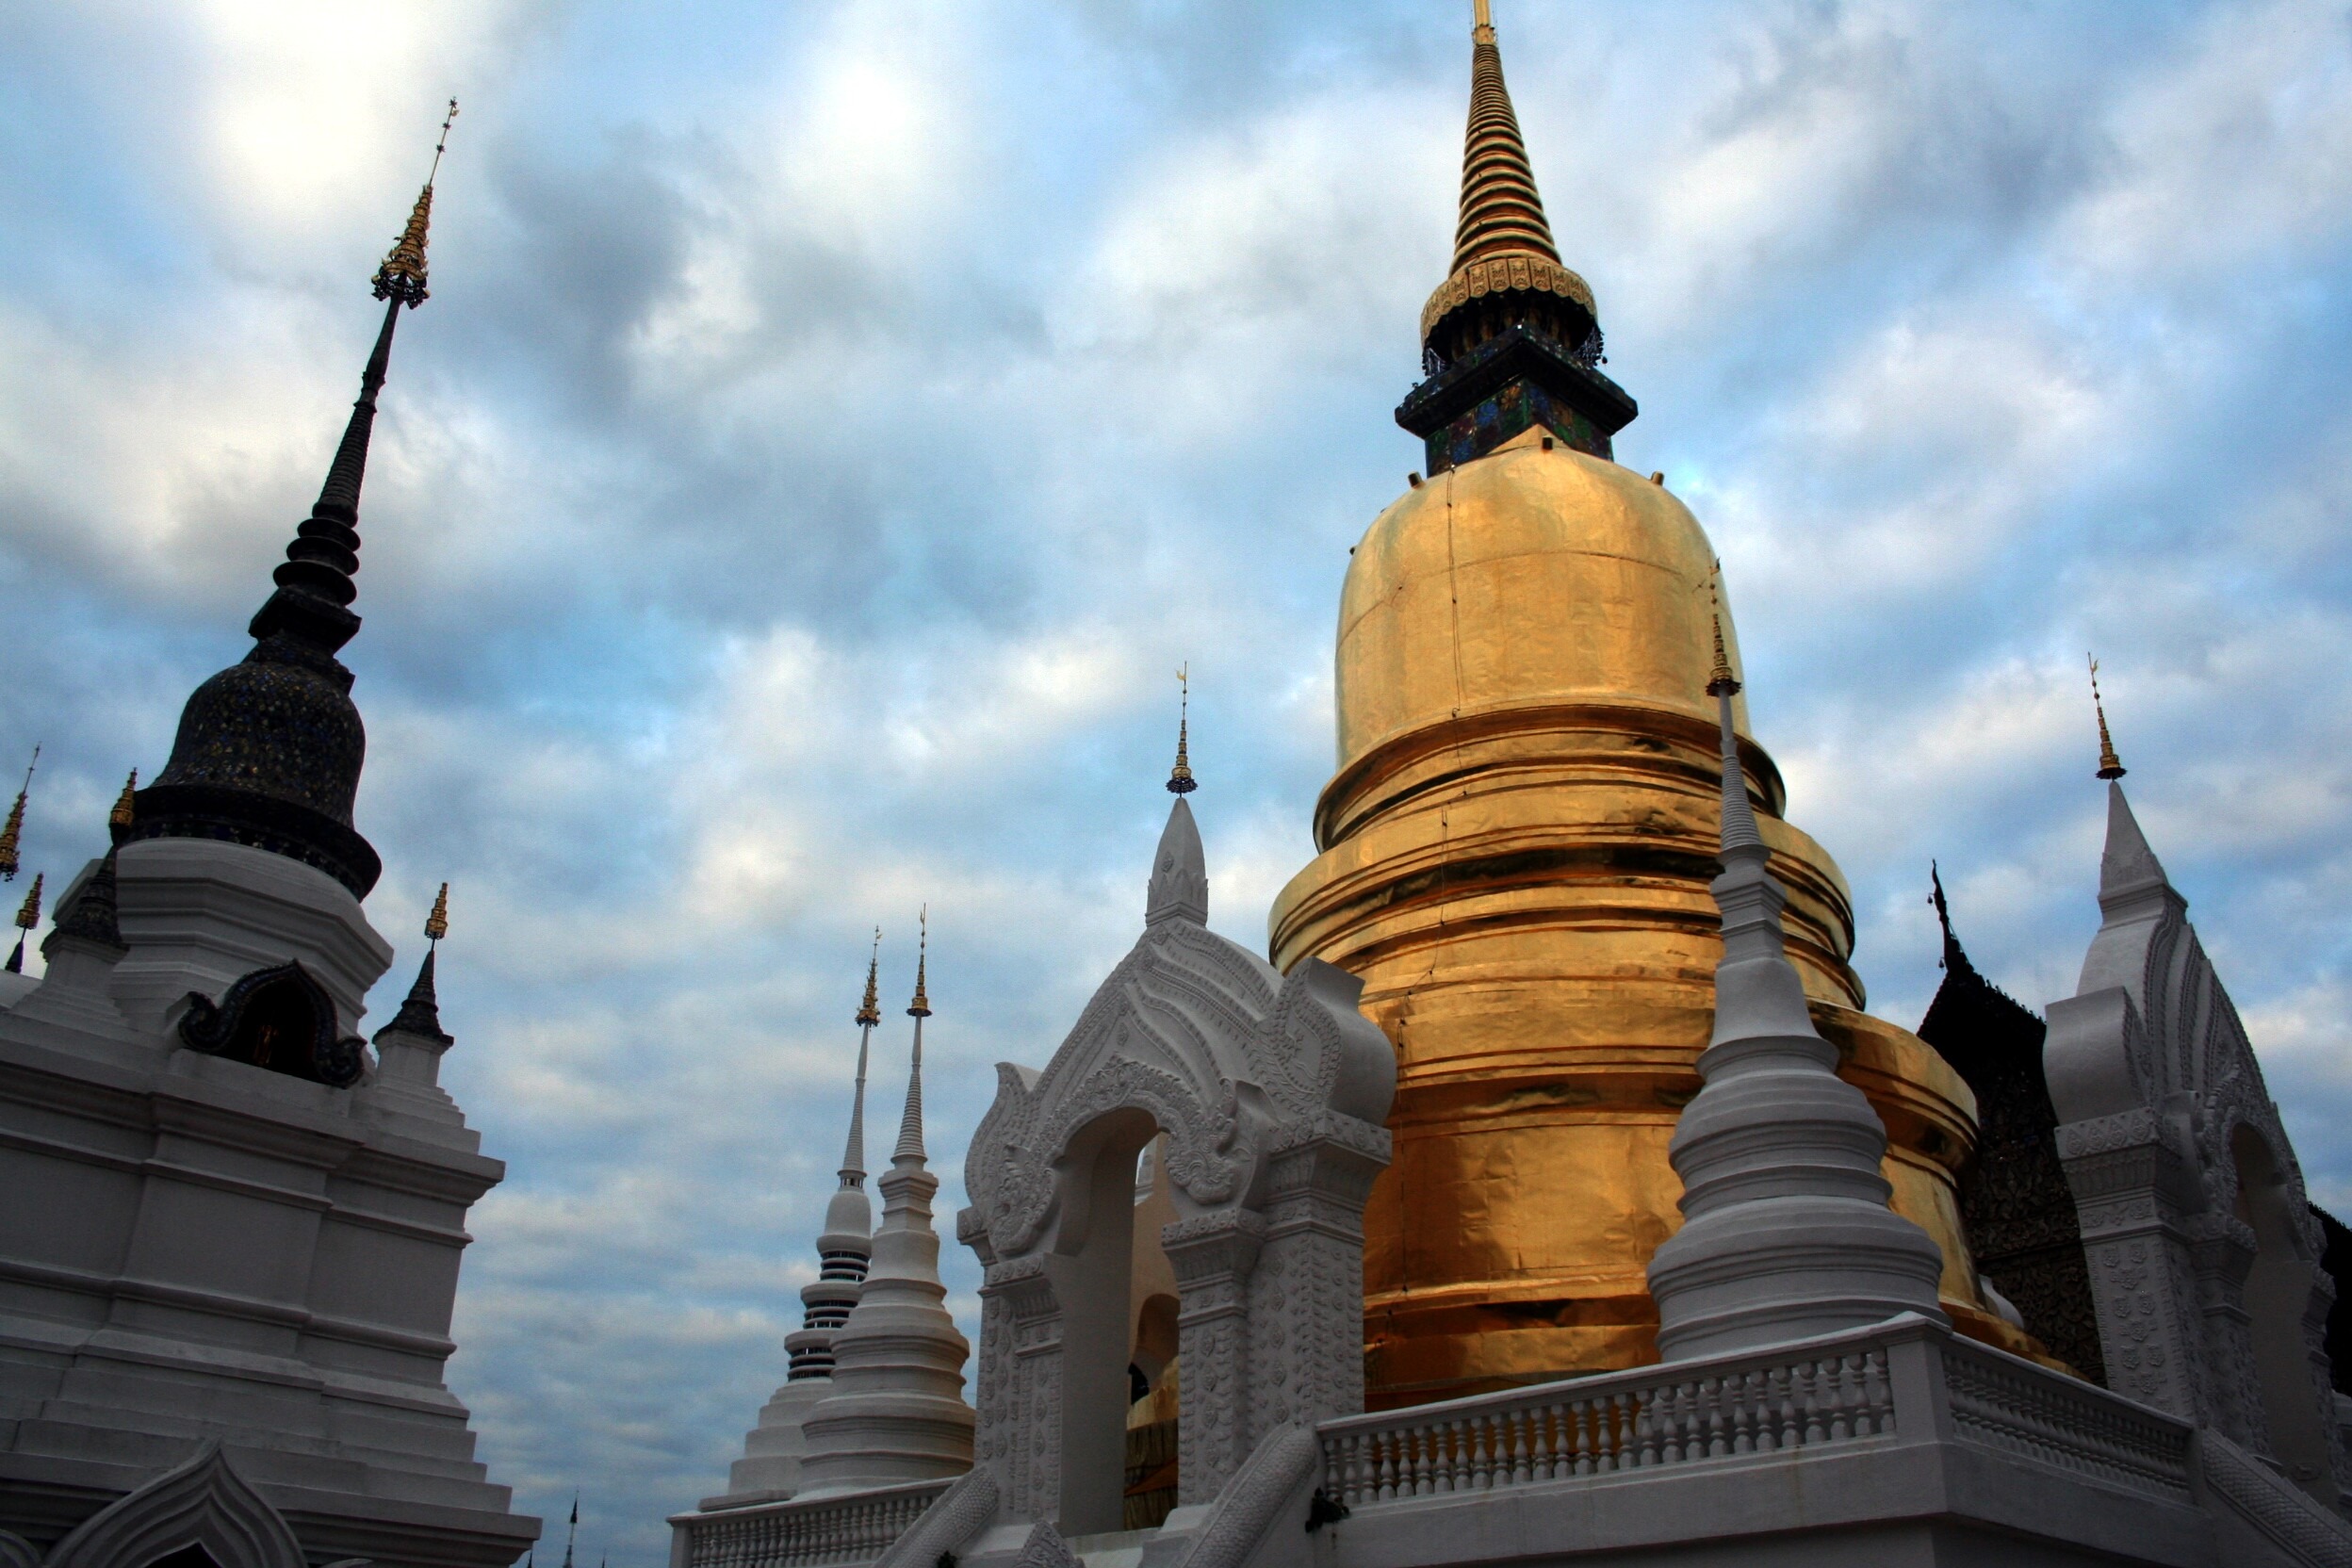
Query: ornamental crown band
(1512, 270)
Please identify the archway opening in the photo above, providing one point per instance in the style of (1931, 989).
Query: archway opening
(1154, 1373)
(186, 1556)
(1093, 1270)
(2277, 1295)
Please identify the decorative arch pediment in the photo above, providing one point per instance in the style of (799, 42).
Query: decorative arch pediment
(280, 1018)
(1268, 1094)
(203, 1504)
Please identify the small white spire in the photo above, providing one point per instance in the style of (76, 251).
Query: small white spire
(910, 1125)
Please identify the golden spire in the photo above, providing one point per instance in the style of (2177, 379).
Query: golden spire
(437, 923)
(403, 274)
(1720, 682)
(1500, 210)
(1180, 779)
(27, 917)
(126, 804)
(1502, 241)
(2110, 765)
(870, 1011)
(12, 834)
(921, 1006)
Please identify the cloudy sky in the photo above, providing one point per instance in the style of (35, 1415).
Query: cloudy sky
(833, 423)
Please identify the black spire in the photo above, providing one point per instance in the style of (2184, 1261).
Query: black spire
(270, 750)
(89, 914)
(420, 1014)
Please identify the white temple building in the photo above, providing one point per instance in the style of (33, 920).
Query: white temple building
(230, 1239)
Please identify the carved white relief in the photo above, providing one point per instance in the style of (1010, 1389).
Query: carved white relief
(2204, 1256)
(1271, 1091)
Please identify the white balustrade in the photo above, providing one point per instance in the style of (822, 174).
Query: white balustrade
(1839, 1389)
(796, 1534)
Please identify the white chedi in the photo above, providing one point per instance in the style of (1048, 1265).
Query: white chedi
(896, 1409)
(773, 1448)
(1787, 1230)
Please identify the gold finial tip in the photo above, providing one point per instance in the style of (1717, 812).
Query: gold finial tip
(28, 913)
(1180, 779)
(1720, 682)
(921, 1006)
(402, 275)
(870, 1011)
(437, 923)
(1481, 17)
(125, 803)
(2110, 765)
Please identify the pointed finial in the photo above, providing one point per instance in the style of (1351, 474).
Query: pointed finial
(1720, 682)
(921, 1006)
(402, 275)
(870, 1010)
(13, 832)
(1180, 779)
(1481, 23)
(2110, 765)
(125, 809)
(27, 917)
(437, 923)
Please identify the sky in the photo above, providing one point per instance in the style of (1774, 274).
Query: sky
(833, 424)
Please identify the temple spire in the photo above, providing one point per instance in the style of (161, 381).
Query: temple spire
(2110, 765)
(269, 751)
(869, 1014)
(1787, 1229)
(910, 1125)
(420, 1010)
(1509, 314)
(1180, 779)
(1500, 208)
(11, 835)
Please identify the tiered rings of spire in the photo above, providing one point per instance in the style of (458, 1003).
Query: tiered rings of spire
(1512, 338)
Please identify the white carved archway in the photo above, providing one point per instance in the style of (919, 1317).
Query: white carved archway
(1272, 1092)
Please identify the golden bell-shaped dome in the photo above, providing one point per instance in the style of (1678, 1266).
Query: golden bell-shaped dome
(1515, 857)
(1431, 621)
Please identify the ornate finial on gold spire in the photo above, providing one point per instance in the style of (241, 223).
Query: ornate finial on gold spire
(921, 1006)
(13, 832)
(402, 275)
(1180, 779)
(437, 923)
(2110, 765)
(27, 917)
(870, 1011)
(1720, 682)
(1481, 22)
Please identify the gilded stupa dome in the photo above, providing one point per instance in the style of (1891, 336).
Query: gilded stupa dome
(1536, 575)
(1516, 848)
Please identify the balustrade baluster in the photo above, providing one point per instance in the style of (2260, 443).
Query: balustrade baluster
(1585, 1436)
(1882, 1402)
(1558, 1444)
(1482, 1461)
(1384, 1449)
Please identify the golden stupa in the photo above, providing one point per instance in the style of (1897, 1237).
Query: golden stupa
(1517, 845)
